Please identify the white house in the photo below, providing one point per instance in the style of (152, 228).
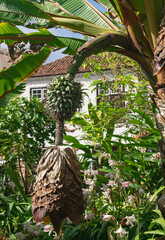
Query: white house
(37, 84)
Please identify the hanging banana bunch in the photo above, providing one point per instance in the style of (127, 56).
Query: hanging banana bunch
(57, 192)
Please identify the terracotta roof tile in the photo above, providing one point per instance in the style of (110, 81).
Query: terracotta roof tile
(60, 67)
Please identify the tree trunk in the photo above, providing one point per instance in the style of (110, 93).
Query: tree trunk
(159, 99)
(59, 131)
(160, 121)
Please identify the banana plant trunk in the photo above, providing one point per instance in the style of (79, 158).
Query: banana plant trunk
(160, 121)
(159, 96)
(59, 131)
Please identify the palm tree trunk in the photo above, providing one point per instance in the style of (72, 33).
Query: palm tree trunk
(59, 131)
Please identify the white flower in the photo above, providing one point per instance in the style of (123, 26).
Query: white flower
(88, 181)
(94, 172)
(131, 199)
(107, 217)
(111, 162)
(90, 215)
(130, 220)
(48, 228)
(125, 184)
(20, 235)
(87, 172)
(111, 183)
(120, 231)
(104, 156)
(148, 195)
(30, 229)
(104, 187)
(112, 175)
(142, 150)
(86, 193)
(68, 221)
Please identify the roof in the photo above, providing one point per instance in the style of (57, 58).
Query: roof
(60, 66)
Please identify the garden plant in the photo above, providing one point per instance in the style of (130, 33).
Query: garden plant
(131, 28)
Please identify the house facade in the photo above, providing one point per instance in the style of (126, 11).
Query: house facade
(37, 84)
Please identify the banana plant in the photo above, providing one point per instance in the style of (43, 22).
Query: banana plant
(131, 28)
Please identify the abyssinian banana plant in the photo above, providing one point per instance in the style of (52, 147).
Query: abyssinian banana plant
(127, 27)
(57, 191)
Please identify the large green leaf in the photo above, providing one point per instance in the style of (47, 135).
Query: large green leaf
(156, 193)
(85, 20)
(144, 116)
(158, 232)
(80, 121)
(14, 177)
(141, 11)
(71, 44)
(11, 34)
(79, 25)
(21, 12)
(70, 139)
(81, 9)
(8, 29)
(13, 94)
(20, 71)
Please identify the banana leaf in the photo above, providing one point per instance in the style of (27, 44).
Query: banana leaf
(18, 72)
(14, 177)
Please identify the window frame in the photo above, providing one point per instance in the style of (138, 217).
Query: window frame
(38, 88)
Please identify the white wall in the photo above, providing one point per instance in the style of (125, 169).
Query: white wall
(39, 82)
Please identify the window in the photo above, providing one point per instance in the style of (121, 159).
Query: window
(110, 90)
(112, 93)
(39, 92)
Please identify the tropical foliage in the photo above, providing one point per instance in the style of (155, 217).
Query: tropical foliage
(117, 172)
(121, 180)
(25, 129)
(129, 28)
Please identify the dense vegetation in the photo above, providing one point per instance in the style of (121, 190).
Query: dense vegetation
(121, 174)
